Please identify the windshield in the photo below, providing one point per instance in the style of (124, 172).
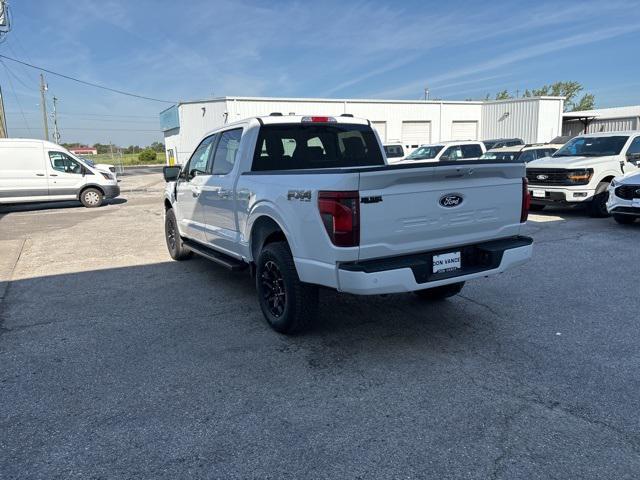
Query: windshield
(298, 146)
(87, 161)
(592, 146)
(502, 156)
(425, 153)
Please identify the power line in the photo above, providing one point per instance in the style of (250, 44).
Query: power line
(102, 129)
(95, 85)
(13, 90)
(89, 114)
(10, 72)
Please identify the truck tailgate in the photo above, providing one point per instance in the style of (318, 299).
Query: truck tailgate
(405, 210)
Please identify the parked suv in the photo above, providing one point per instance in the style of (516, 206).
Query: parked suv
(582, 170)
(447, 151)
(41, 171)
(624, 197)
(309, 201)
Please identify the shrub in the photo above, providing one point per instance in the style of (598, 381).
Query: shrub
(147, 155)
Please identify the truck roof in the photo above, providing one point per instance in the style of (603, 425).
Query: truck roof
(277, 118)
(611, 134)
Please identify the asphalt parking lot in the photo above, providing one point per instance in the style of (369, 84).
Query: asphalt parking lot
(117, 362)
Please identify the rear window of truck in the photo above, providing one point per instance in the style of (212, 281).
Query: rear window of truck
(300, 146)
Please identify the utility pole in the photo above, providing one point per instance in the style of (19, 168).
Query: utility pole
(5, 27)
(43, 103)
(56, 132)
(3, 118)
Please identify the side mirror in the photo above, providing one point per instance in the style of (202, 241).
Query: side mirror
(171, 173)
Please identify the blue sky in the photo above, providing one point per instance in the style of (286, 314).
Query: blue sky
(344, 49)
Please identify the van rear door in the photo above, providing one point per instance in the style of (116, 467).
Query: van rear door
(409, 210)
(23, 174)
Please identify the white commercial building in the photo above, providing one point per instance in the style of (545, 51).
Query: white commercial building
(534, 120)
(616, 119)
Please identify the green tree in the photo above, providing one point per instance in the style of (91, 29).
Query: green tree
(147, 156)
(102, 148)
(503, 95)
(157, 147)
(570, 91)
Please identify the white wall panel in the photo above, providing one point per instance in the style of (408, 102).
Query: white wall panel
(464, 130)
(416, 133)
(533, 120)
(381, 128)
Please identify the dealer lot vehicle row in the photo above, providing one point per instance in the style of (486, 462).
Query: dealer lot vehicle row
(582, 171)
(310, 201)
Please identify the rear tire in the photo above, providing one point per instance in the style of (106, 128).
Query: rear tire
(91, 197)
(288, 305)
(536, 207)
(440, 293)
(597, 207)
(175, 245)
(624, 219)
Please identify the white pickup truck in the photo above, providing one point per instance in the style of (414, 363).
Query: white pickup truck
(582, 170)
(304, 202)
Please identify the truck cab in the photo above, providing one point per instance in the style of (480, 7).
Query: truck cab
(581, 172)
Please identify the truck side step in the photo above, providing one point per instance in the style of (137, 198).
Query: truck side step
(226, 261)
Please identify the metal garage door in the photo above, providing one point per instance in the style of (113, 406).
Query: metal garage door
(381, 128)
(464, 131)
(415, 133)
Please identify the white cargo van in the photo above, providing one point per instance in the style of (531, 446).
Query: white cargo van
(41, 171)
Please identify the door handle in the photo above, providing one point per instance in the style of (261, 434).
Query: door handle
(53, 175)
(224, 194)
(39, 174)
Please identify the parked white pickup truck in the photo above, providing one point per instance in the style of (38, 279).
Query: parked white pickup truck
(582, 170)
(309, 201)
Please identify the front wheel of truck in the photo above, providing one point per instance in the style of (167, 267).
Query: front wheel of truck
(440, 293)
(172, 236)
(597, 208)
(288, 305)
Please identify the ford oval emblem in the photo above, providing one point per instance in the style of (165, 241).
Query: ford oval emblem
(450, 200)
(638, 192)
(542, 177)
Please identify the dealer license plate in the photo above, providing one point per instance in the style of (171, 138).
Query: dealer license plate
(538, 193)
(447, 262)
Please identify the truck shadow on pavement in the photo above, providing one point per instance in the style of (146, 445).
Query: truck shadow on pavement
(175, 304)
(172, 363)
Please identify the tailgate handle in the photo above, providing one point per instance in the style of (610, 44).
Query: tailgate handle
(372, 199)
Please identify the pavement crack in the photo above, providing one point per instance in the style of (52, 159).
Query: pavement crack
(505, 443)
(481, 304)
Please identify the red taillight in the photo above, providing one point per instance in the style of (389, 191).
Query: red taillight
(526, 201)
(319, 119)
(340, 213)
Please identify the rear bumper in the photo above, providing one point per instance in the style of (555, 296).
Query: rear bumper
(414, 272)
